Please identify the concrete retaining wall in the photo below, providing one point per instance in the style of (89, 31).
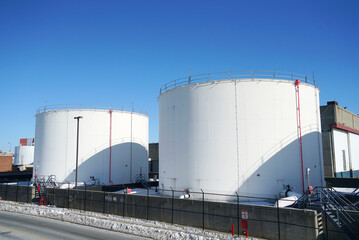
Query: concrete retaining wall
(218, 216)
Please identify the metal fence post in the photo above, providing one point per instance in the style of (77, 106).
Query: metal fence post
(53, 195)
(123, 204)
(85, 197)
(202, 209)
(237, 212)
(68, 195)
(173, 194)
(148, 192)
(27, 192)
(104, 200)
(6, 188)
(17, 189)
(278, 220)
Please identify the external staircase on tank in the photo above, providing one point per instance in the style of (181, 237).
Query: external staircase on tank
(337, 208)
(42, 183)
(143, 180)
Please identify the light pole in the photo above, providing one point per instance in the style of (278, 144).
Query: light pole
(77, 148)
(10, 146)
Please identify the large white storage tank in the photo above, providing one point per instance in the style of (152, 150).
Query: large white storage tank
(240, 132)
(113, 145)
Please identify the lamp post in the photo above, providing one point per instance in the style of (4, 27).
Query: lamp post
(10, 146)
(77, 148)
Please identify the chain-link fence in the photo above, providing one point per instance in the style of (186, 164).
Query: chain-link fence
(199, 210)
(23, 192)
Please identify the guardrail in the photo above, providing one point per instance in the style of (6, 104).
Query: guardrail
(231, 75)
(86, 107)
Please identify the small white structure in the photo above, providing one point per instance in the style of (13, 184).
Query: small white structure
(113, 145)
(24, 155)
(249, 133)
(345, 152)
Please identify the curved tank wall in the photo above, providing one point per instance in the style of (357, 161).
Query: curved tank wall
(24, 155)
(110, 153)
(240, 136)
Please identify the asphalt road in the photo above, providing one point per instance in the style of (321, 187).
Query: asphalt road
(19, 226)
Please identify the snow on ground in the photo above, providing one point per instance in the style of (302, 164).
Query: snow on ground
(142, 191)
(260, 203)
(152, 192)
(18, 183)
(139, 227)
(344, 190)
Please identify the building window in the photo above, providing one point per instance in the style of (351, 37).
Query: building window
(344, 161)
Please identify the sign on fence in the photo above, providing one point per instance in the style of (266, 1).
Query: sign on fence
(244, 214)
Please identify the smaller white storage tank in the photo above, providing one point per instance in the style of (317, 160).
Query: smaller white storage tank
(113, 145)
(24, 155)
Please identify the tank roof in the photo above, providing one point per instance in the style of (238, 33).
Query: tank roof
(232, 75)
(87, 107)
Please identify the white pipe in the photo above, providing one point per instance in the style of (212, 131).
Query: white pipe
(288, 197)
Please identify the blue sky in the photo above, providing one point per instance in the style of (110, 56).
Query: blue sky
(119, 52)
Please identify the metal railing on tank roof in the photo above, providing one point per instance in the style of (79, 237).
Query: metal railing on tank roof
(47, 108)
(207, 77)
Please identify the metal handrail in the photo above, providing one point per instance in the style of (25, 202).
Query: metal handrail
(87, 107)
(344, 200)
(341, 214)
(337, 195)
(231, 75)
(331, 202)
(335, 206)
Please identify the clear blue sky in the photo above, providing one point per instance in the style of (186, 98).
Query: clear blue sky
(119, 52)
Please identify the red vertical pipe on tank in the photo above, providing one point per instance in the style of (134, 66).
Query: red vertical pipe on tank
(109, 174)
(297, 83)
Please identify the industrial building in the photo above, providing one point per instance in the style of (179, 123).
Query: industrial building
(249, 133)
(98, 146)
(24, 154)
(153, 161)
(6, 159)
(340, 134)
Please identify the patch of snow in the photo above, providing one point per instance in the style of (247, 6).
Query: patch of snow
(142, 191)
(260, 203)
(152, 192)
(344, 190)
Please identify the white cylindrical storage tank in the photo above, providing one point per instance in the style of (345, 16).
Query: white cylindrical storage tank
(24, 155)
(240, 133)
(113, 145)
